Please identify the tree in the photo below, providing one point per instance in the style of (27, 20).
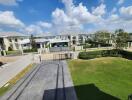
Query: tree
(102, 37)
(120, 38)
(33, 43)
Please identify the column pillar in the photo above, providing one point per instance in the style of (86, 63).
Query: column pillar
(44, 45)
(13, 44)
(4, 52)
(41, 45)
(50, 45)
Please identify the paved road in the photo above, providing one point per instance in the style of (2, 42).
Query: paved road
(50, 80)
(12, 69)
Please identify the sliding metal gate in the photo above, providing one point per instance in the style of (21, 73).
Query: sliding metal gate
(62, 56)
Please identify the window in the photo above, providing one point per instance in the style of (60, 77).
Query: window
(17, 45)
(15, 40)
(74, 37)
(10, 40)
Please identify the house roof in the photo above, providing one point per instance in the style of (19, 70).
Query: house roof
(25, 41)
(73, 33)
(58, 40)
(41, 40)
(11, 34)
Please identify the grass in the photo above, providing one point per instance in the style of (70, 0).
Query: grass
(16, 52)
(15, 79)
(102, 78)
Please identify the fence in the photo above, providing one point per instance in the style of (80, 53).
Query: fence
(59, 49)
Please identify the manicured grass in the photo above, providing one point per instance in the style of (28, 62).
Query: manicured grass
(13, 52)
(14, 80)
(102, 78)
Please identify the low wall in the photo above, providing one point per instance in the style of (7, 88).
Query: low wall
(59, 49)
(78, 48)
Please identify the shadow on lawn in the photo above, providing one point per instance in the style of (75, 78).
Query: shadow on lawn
(84, 92)
(91, 92)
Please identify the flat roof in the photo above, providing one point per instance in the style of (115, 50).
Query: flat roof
(41, 40)
(58, 40)
(12, 34)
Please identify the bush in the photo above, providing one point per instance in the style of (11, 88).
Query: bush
(89, 55)
(111, 53)
(105, 45)
(97, 54)
(86, 46)
(29, 50)
(126, 54)
(10, 49)
(17, 52)
(2, 53)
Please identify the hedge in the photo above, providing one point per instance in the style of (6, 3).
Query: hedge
(126, 54)
(17, 52)
(111, 53)
(89, 55)
(29, 50)
(2, 53)
(105, 53)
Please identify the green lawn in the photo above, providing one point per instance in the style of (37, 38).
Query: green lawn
(102, 78)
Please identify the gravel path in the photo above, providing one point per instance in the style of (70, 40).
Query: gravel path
(50, 80)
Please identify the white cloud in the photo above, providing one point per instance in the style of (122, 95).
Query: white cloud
(38, 28)
(45, 24)
(9, 21)
(120, 2)
(116, 21)
(82, 14)
(68, 5)
(126, 11)
(100, 10)
(73, 17)
(10, 2)
(33, 29)
(7, 18)
(113, 18)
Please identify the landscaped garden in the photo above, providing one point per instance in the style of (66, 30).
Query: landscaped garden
(106, 78)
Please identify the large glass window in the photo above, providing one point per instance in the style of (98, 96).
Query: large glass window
(16, 40)
(10, 40)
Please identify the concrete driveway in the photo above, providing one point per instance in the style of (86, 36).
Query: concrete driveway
(50, 80)
(10, 70)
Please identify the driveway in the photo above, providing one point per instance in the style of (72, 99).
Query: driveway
(10, 70)
(50, 80)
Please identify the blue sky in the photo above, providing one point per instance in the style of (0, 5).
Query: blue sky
(55, 16)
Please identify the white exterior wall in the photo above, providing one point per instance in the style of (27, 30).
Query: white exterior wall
(6, 43)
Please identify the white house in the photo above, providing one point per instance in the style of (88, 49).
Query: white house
(12, 40)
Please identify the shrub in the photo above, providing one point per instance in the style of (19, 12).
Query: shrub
(111, 53)
(97, 54)
(17, 52)
(30, 50)
(10, 49)
(86, 46)
(89, 55)
(126, 54)
(105, 45)
(2, 53)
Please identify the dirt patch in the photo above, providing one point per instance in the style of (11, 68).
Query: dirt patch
(9, 59)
